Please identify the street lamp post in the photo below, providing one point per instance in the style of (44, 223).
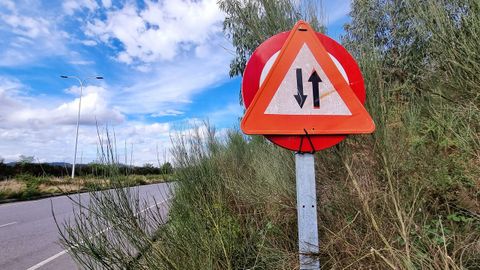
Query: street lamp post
(78, 116)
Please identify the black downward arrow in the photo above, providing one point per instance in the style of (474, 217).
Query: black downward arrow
(315, 80)
(300, 97)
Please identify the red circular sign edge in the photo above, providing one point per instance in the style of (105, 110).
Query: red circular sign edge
(251, 84)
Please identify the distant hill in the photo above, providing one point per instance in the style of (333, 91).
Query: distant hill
(62, 164)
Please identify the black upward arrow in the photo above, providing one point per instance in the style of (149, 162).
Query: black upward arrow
(300, 97)
(315, 80)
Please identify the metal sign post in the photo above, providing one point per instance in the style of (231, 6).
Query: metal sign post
(307, 211)
(302, 85)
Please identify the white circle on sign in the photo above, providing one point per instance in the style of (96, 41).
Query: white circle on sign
(272, 59)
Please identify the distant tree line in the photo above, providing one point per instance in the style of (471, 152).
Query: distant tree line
(93, 169)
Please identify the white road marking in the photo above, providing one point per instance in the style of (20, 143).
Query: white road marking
(8, 224)
(42, 263)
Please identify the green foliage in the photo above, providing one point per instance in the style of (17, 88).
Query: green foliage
(387, 28)
(250, 22)
(148, 165)
(22, 159)
(166, 168)
(109, 231)
(93, 186)
(215, 183)
(453, 29)
(458, 217)
(427, 121)
(83, 170)
(32, 184)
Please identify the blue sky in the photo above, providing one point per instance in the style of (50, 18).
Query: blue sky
(165, 65)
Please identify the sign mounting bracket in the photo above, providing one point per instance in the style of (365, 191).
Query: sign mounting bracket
(309, 140)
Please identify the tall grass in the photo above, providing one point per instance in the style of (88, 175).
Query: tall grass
(111, 228)
(406, 197)
(231, 197)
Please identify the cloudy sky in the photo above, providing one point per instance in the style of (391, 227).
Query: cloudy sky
(164, 63)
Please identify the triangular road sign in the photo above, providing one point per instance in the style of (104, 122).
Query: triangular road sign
(305, 92)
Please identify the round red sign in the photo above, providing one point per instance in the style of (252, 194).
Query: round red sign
(262, 60)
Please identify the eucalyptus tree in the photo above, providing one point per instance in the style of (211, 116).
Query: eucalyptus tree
(250, 22)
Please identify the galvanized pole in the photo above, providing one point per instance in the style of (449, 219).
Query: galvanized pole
(80, 81)
(78, 124)
(307, 211)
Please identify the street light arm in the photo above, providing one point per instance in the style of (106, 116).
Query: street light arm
(80, 81)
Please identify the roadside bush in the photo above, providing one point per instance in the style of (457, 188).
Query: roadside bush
(31, 183)
(8, 171)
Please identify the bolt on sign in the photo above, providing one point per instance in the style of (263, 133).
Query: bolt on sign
(303, 91)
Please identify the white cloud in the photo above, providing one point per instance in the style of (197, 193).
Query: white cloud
(56, 143)
(89, 42)
(229, 113)
(9, 95)
(49, 133)
(32, 128)
(169, 112)
(175, 47)
(8, 4)
(16, 110)
(171, 86)
(107, 3)
(81, 62)
(27, 26)
(160, 31)
(141, 129)
(9, 84)
(71, 6)
(28, 34)
(144, 68)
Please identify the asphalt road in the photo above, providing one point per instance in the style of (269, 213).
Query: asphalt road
(29, 238)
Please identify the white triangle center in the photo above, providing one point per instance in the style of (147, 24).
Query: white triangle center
(284, 101)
